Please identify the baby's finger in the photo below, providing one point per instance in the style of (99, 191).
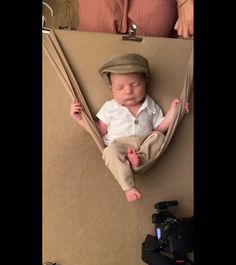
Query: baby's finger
(78, 106)
(187, 107)
(77, 109)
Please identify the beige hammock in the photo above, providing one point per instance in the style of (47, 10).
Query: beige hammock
(57, 56)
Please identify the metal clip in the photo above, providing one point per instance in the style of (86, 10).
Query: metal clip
(132, 34)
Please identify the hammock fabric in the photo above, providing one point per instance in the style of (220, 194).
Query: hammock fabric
(55, 53)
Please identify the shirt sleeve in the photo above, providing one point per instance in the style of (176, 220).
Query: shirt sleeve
(104, 114)
(158, 116)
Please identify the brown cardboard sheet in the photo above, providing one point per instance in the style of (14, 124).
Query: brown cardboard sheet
(86, 218)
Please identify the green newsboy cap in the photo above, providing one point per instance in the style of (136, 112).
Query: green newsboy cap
(124, 64)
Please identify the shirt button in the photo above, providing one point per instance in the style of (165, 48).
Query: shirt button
(136, 121)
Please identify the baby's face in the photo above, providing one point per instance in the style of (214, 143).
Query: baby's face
(128, 89)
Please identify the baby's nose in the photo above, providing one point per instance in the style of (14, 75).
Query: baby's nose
(128, 90)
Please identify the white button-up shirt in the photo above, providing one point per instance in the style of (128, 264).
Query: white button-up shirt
(121, 121)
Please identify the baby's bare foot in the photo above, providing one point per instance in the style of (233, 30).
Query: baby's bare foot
(132, 195)
(133, 157)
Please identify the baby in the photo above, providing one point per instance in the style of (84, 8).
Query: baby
(131, 123)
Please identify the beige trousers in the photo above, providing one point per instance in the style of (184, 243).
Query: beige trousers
(115, 156)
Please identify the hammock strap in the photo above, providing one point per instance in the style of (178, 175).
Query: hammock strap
(184, 98)
(54, 52)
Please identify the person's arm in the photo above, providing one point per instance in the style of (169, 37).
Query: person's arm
(184, 24)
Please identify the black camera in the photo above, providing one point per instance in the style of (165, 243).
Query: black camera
(172, 235)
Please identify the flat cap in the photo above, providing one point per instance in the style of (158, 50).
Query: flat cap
(124, 64)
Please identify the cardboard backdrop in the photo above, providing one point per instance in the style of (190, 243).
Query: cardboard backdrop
(86, 218)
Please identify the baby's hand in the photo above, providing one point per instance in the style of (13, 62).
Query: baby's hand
(75, 110)
(174, 104)
(176, 101)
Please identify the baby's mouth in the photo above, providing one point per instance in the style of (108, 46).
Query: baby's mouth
(130, 98)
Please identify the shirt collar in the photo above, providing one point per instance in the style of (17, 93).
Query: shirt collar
(149, 104)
